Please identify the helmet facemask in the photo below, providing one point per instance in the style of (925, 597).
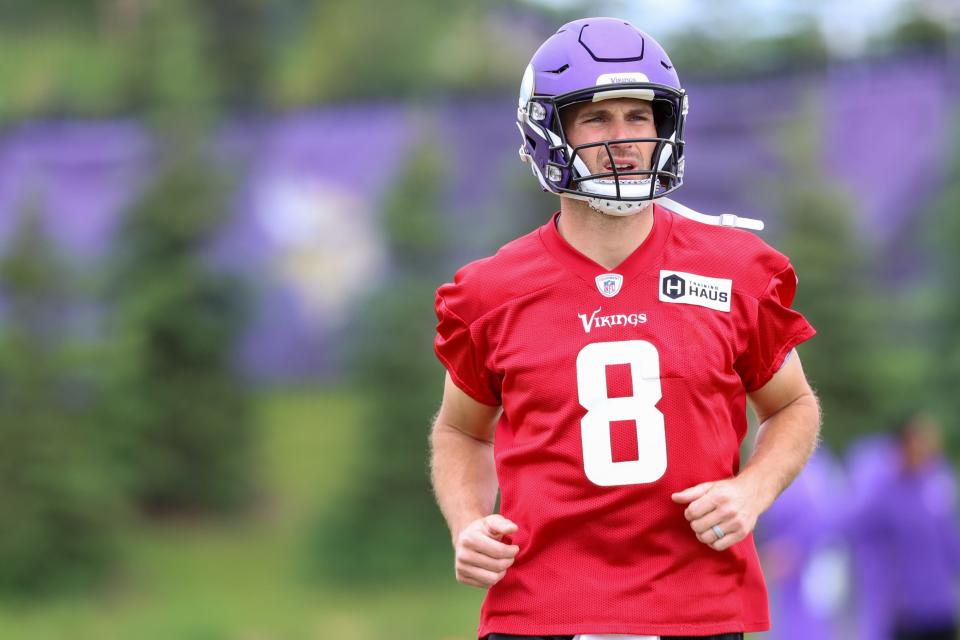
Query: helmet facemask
(620, 192)
(561, 169)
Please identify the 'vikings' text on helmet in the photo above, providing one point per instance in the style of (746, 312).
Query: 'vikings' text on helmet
(590, 60)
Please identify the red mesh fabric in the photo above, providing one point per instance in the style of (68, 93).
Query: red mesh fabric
(578, 375)
(623, 440)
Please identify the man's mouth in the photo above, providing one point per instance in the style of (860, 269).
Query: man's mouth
(621, 165)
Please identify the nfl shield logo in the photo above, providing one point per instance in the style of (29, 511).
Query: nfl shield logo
(609, 284)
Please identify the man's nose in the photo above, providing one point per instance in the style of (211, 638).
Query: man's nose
(618, 129)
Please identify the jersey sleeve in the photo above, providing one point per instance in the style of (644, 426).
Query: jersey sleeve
(776, 331)
(457, 349)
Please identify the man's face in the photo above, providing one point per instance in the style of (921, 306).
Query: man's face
(612, 119)
(921, 444)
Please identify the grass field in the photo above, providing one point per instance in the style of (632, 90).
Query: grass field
(191, 579)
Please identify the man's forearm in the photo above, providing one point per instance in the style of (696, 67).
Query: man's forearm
(784, 443)
(464, 476)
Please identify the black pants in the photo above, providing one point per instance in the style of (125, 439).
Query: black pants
(946, 632)
(721, 636)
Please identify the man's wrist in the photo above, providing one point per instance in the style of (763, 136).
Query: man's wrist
(762, 489)
(463, 523)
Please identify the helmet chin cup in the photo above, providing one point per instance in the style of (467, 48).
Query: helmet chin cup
(618, 208)
(612, 206)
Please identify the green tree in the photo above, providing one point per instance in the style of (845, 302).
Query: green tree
(944, 224)
(387, 524)
(30, 12)
(188, 54)
(719, 49)
(175, 319)
(173, 332)
(172, 80)
(834, 293)
(101, 57)
(239, 47)
(917, 28)
(348, 50)
(61, 489)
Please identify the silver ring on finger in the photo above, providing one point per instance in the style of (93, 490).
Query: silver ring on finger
(717, 531)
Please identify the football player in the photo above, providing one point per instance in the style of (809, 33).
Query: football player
(598, 372)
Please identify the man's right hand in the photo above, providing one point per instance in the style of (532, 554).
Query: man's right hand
(481, 560)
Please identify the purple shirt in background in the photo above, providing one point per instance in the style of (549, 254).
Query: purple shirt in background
(870, 462)
(804, 560)
(906, 542)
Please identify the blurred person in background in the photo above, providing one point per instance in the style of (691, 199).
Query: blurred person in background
(907, 522)
(598, 369)
(870, 462)
(805, 558)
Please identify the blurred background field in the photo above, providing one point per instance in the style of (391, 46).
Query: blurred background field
(239, 578)
(221, 227)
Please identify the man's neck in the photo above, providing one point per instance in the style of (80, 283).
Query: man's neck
(607, 240)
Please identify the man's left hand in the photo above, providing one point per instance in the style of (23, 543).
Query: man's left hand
(733, 505)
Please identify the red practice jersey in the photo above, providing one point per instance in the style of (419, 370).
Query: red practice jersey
(618, 389)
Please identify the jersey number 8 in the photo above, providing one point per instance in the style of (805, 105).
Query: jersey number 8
(641, 407)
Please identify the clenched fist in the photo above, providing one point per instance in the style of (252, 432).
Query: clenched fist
(732, 505)
(481, 559)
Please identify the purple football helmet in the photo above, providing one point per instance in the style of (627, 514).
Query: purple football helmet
(590, 60)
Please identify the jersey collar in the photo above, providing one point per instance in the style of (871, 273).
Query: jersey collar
(643, 259)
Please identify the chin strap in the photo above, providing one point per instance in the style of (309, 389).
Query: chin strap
(723, 220)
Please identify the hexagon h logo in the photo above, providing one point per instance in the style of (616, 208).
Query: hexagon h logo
(674, 286)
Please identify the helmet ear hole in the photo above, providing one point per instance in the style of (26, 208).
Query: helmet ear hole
(664, 117)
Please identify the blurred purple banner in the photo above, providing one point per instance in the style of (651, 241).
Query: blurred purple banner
(303, 226)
